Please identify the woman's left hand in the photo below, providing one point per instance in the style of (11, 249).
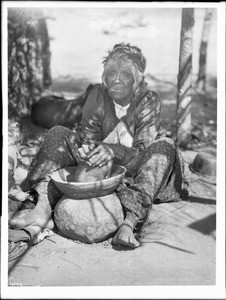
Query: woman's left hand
(100, 156)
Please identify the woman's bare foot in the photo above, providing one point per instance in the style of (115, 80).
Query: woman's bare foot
(125, 236)
(40, 216)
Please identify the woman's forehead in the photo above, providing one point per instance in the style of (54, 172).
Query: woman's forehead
(119, 64)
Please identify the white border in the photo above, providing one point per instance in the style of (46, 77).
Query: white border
(220, 196)
(103, 4)
(144, 292)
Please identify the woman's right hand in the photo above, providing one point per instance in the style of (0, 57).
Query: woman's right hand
(84, 151)
(100, 156)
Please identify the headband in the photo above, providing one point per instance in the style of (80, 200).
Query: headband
(133, 52)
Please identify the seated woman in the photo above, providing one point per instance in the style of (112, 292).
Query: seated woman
(121, 123)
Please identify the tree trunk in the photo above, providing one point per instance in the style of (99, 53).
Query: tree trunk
(201, 80)
(185, 78)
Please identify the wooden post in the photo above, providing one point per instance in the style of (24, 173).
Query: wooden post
(185, 78)
(45, 52)
(201, 80)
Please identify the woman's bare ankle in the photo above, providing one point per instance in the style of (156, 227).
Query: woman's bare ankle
(125, 236)
(127, 222)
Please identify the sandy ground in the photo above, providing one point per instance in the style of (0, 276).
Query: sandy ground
(177, 248)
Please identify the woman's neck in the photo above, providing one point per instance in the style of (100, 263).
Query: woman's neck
(123, 102)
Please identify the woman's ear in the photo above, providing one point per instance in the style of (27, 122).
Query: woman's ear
(103, 78)
(138, 78)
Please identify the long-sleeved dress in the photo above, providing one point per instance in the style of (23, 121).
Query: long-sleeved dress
(155, 170)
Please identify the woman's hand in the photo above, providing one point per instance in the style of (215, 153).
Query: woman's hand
(100, 155)
(85, 150)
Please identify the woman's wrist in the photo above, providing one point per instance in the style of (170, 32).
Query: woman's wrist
(122, 154)
(111, 151)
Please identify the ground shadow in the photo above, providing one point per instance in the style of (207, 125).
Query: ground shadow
(193, 199)
(167, 245)
(122, 248)
(206, 225)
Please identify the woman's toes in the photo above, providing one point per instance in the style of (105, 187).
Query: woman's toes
(125, 238)
(133, 242)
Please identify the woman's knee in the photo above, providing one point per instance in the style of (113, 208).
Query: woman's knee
(58, 134)
(58, 131)
(165, 141)
(159, 148)
(163, 145)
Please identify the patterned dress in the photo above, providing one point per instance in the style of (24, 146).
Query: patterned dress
(155, 170)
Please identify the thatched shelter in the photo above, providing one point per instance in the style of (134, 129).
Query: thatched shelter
(28, 58)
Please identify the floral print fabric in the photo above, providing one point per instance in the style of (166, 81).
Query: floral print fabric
(158, 177)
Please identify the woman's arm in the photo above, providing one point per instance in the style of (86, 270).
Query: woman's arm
(146, 127)
(93, 114)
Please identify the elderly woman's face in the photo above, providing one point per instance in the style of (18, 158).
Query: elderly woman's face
(119, 81)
